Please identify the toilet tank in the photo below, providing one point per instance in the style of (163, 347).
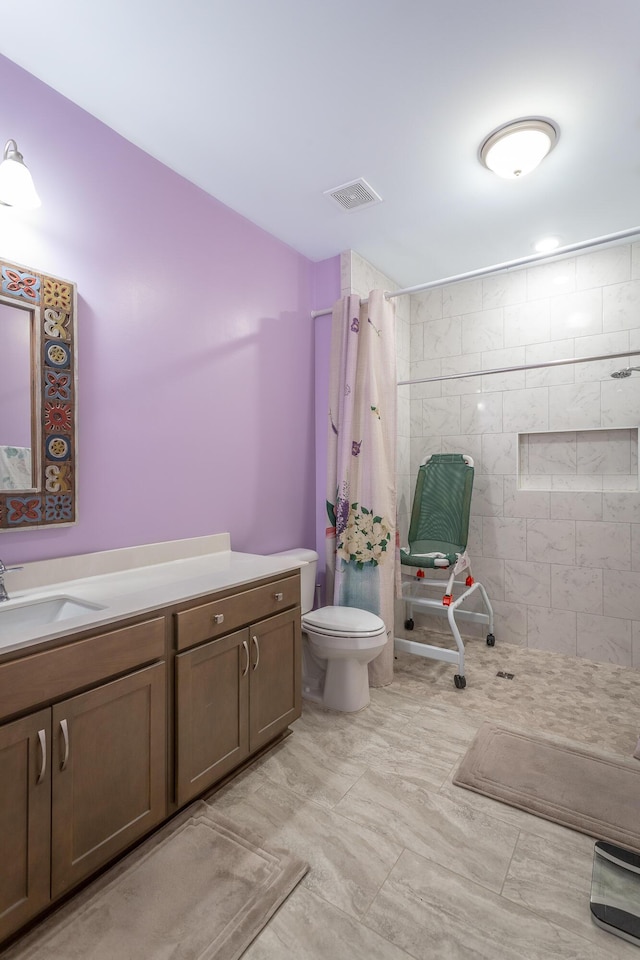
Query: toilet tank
(308, 560)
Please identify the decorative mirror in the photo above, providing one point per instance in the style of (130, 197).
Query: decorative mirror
(38, 399)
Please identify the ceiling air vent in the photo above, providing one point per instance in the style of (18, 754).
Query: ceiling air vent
(352, 196)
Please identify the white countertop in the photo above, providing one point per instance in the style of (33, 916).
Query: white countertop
(128, 592)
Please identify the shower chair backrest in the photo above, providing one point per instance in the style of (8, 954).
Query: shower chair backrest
(442, 500)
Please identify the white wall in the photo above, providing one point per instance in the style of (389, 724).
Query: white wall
(561, 563)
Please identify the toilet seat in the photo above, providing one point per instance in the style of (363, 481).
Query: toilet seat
(344, 622)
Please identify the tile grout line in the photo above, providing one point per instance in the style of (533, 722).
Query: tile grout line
(509, 864)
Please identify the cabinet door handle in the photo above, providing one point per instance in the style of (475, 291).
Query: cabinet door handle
(218, 618)
(278, 596)
(42, 737)
(65, 734)
(257, 646)
(245, 646)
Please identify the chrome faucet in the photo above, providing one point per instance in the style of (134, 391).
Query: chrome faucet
(3, 591)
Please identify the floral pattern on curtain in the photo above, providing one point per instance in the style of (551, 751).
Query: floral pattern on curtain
(361, 465)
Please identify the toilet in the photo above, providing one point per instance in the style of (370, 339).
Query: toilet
(338, 643)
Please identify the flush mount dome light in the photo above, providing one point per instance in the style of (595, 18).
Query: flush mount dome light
(517, 148)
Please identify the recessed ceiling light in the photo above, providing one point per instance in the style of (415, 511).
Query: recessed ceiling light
(547, 244)
(516, 148)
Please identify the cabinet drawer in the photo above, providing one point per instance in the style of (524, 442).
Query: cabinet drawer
(43, 677)
(213, 619)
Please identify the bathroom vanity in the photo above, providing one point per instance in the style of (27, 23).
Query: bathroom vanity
(112, 720)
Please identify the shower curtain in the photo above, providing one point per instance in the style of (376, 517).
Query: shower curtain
(361, 465)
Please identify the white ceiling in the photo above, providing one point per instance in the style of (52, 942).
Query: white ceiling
(265, 104)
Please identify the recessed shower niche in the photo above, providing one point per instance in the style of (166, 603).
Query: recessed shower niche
(579, 460)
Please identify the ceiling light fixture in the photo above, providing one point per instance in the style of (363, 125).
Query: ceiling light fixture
(16, 184)
(516, 148)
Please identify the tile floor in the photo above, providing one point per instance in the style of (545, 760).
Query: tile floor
(403, 863)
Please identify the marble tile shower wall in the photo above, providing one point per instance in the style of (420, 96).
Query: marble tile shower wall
(562, 566)
(580, 460)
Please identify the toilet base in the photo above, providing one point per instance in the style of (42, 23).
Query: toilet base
(346, 685)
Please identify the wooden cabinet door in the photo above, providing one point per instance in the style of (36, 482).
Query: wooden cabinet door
(275, 677)
(211, 712)
(109, 772)
(25, 819)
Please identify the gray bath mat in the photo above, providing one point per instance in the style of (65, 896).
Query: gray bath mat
(199, 889)
(558, 780)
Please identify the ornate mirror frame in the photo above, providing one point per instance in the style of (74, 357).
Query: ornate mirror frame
(52, 303)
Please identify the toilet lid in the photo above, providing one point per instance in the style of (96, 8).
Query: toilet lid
(350, 621)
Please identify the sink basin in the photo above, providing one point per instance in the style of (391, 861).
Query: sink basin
(43, 611)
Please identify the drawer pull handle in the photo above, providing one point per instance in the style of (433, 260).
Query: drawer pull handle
(42, 737)
(245, 646)
(65, 734)
(218, 618)
(257, 646)
(278, 596)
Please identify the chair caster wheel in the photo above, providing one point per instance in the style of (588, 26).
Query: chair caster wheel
(409, 624)
(460, 681)
(491, 640)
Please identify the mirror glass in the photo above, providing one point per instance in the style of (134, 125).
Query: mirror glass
(16, 401)
(38, 399)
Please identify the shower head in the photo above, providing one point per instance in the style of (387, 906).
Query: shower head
(622, 374)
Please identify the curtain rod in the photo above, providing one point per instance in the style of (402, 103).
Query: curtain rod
(507, 265)
(524, 366)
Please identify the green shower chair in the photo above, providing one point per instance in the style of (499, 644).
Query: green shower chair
(438, 534)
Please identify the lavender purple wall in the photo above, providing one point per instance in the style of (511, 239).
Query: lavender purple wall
(329, 273)
(195, 345)
(15, 376)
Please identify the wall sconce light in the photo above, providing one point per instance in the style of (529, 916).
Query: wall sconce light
(16, 184)
(517, 148)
